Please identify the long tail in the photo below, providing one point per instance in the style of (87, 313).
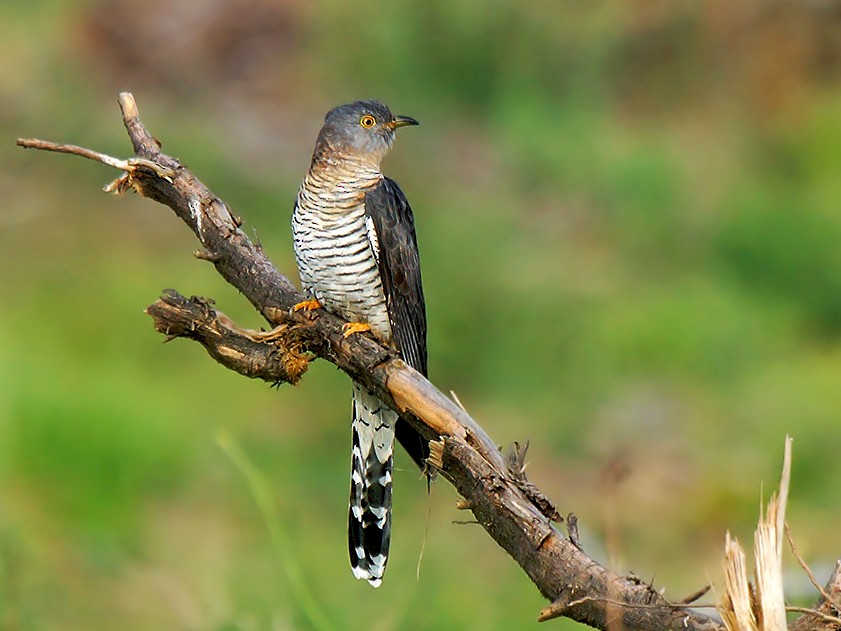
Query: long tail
(369, 517)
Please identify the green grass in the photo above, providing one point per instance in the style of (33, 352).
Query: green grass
(288, 555)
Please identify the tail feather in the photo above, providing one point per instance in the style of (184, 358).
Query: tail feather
(369, 515)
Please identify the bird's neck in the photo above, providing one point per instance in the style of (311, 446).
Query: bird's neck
(342, 169)
(335, 184)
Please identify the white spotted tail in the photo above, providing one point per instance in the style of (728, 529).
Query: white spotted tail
(369, 516)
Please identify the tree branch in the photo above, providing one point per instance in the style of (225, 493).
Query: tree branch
(503, 502)
(824, 616)
(277, 356)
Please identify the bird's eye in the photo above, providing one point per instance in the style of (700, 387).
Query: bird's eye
(367, 121)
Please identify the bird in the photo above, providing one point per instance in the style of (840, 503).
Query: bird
(357, 256)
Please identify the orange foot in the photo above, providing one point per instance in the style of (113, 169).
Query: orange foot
(307, 305)
(349, 328)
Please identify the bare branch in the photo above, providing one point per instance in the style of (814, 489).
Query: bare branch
(823, 592)
(276, 356)
(90, 154)
(694, 596)
(577, 586)
(824, 615)
(834, 621)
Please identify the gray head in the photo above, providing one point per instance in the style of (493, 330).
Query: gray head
(362, 129)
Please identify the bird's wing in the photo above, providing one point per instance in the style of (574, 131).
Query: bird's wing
(390, 216)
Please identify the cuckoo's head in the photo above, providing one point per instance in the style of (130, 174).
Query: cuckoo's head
(362, 129)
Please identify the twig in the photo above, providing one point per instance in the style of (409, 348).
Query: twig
(816, 614)
(129, 166)
(558, 608)
(694, 596)
(90, 154)
(808, 571)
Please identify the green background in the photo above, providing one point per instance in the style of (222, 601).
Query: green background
(629, 223)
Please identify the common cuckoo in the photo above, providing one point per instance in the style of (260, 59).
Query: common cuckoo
(357, 255)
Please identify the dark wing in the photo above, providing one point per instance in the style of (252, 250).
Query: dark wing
(399, 264)
(390, 217)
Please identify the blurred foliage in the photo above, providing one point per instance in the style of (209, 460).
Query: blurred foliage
(628, 215)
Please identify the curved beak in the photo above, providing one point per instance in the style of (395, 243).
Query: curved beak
(400, 121)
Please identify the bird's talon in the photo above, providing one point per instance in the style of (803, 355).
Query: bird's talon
(307, 305)
(349, 328)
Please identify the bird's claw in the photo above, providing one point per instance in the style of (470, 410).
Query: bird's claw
(349, 328)
(307, 305)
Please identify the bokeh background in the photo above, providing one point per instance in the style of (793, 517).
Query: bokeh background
(631, 243)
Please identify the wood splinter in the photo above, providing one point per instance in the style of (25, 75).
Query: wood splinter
(436, 454)
(555, 609)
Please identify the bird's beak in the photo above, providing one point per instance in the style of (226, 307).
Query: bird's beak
(401, 121)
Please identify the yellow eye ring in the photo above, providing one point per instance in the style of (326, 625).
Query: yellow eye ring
(367, 121)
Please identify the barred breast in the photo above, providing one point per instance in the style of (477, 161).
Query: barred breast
(336, 250)
(335, 253)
